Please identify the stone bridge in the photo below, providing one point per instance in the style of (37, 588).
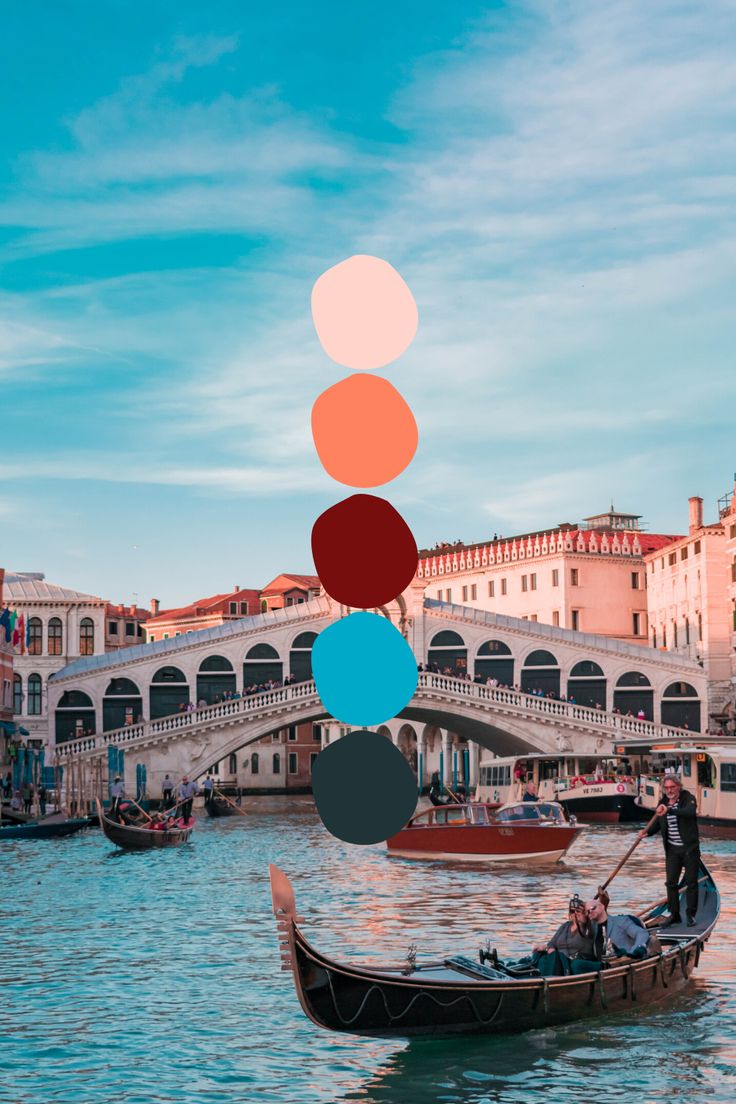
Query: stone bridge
(134, 698)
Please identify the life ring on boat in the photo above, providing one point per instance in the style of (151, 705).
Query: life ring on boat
(620, 788)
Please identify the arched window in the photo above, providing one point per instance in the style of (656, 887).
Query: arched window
(34, 695)
(86, 637)
(541, 674)
(300, 657)
(681, 706)
(35, 636)
(262, 664)
(215, 679)
(169, 692)
(254, 763)
(17, 694)
(75, 716)
(448, 651)
(122, 704)
(277, 763)
(633, 695)
(587, 684)
(233, 764)
(56, 641)
(494, 661)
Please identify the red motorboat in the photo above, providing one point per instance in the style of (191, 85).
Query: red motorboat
(522, 831)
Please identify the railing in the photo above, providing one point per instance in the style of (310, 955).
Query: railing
(516, 699)
(204, 717)
(428, 684)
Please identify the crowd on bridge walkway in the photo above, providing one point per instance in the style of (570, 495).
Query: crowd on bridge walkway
(237, 695)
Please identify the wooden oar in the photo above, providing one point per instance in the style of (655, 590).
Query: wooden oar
(627, 856)
(132, 802)
(233, 803)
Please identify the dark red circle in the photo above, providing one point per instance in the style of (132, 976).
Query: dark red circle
(364, 552)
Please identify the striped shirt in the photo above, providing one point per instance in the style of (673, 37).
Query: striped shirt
(673, 832)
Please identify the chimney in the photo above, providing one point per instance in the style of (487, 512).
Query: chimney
(154, 607)
(236, 589)
(133, 607)
(696, 513)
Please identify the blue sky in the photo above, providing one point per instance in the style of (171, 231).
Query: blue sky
(555, 181)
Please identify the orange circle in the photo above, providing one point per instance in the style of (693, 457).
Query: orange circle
(364, 431)
(363, 312)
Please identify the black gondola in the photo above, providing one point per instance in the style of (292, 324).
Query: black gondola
(133, 838)
(217, 807)
(458, 994)
(50, 830)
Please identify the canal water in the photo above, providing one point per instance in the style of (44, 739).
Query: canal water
(154, 978)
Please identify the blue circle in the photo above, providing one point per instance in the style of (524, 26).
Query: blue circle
(364, 670)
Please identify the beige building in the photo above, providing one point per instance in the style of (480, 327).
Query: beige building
(688, 604)
(588, 577)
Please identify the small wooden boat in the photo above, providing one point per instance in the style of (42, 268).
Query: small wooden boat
(217, 807)
(131, 838)
(41, 830)
(522, 831)
(459, 994)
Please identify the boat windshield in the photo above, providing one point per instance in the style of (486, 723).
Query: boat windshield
(541, 812)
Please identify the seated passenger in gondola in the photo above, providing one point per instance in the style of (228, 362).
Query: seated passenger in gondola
(622, 935)
(575, 948)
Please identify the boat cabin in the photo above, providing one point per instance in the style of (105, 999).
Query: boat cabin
(505, 779)
(482, 814)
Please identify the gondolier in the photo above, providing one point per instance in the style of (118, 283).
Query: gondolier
(678, 825)
(187, 792)
(117, 790)
(167, 789)
(208, 786)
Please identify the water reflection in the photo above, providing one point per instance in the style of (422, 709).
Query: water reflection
(155, 977)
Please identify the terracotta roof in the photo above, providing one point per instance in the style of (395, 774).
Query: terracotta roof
(306, 582)
(140, 613)
(202, 606)
(648, 542)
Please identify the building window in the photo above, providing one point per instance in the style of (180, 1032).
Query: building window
(683, 553)
(292, 732)
(533, 617)
(140, 631)
(654, 638)
(17, 694)
(86, 637)
(244, 609)
(575, 620)
(556, 617)
(448, 592)
(34, 695)
(733, 571)
(35, 636)
(474, 592)
(254, 763)
(491, 590)
(276, 763)
(293, 763)
(523, 582)
(672, 558)
(634, 580)
(700, 626)
(233, 607)
(637, 624)
(674, 634)
(152, 636)
(555, 577)
(651, 568)
(312, 759)
(439, 595)
(317, 732)
(504, 588)
(465, 594)
(687, 630)
(574, 577)
(55, 640)
(533, 583)
(130, 628)
(664, 636)
(112, 628)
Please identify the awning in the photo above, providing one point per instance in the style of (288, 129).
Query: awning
(23, 731)
(9, 727)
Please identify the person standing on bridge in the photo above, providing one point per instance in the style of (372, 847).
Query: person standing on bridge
(187, 792)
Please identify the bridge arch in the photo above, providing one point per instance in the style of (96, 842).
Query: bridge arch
(300, 656)
(540, 673)
(681, 706)
(634, 694)
(75, 716)
(262, 664)
(448, 650)
(587, 685)
(122, 704)
(494, 660)
(215, 679)
(169, 692)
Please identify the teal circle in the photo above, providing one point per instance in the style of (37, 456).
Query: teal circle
(364, 670)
